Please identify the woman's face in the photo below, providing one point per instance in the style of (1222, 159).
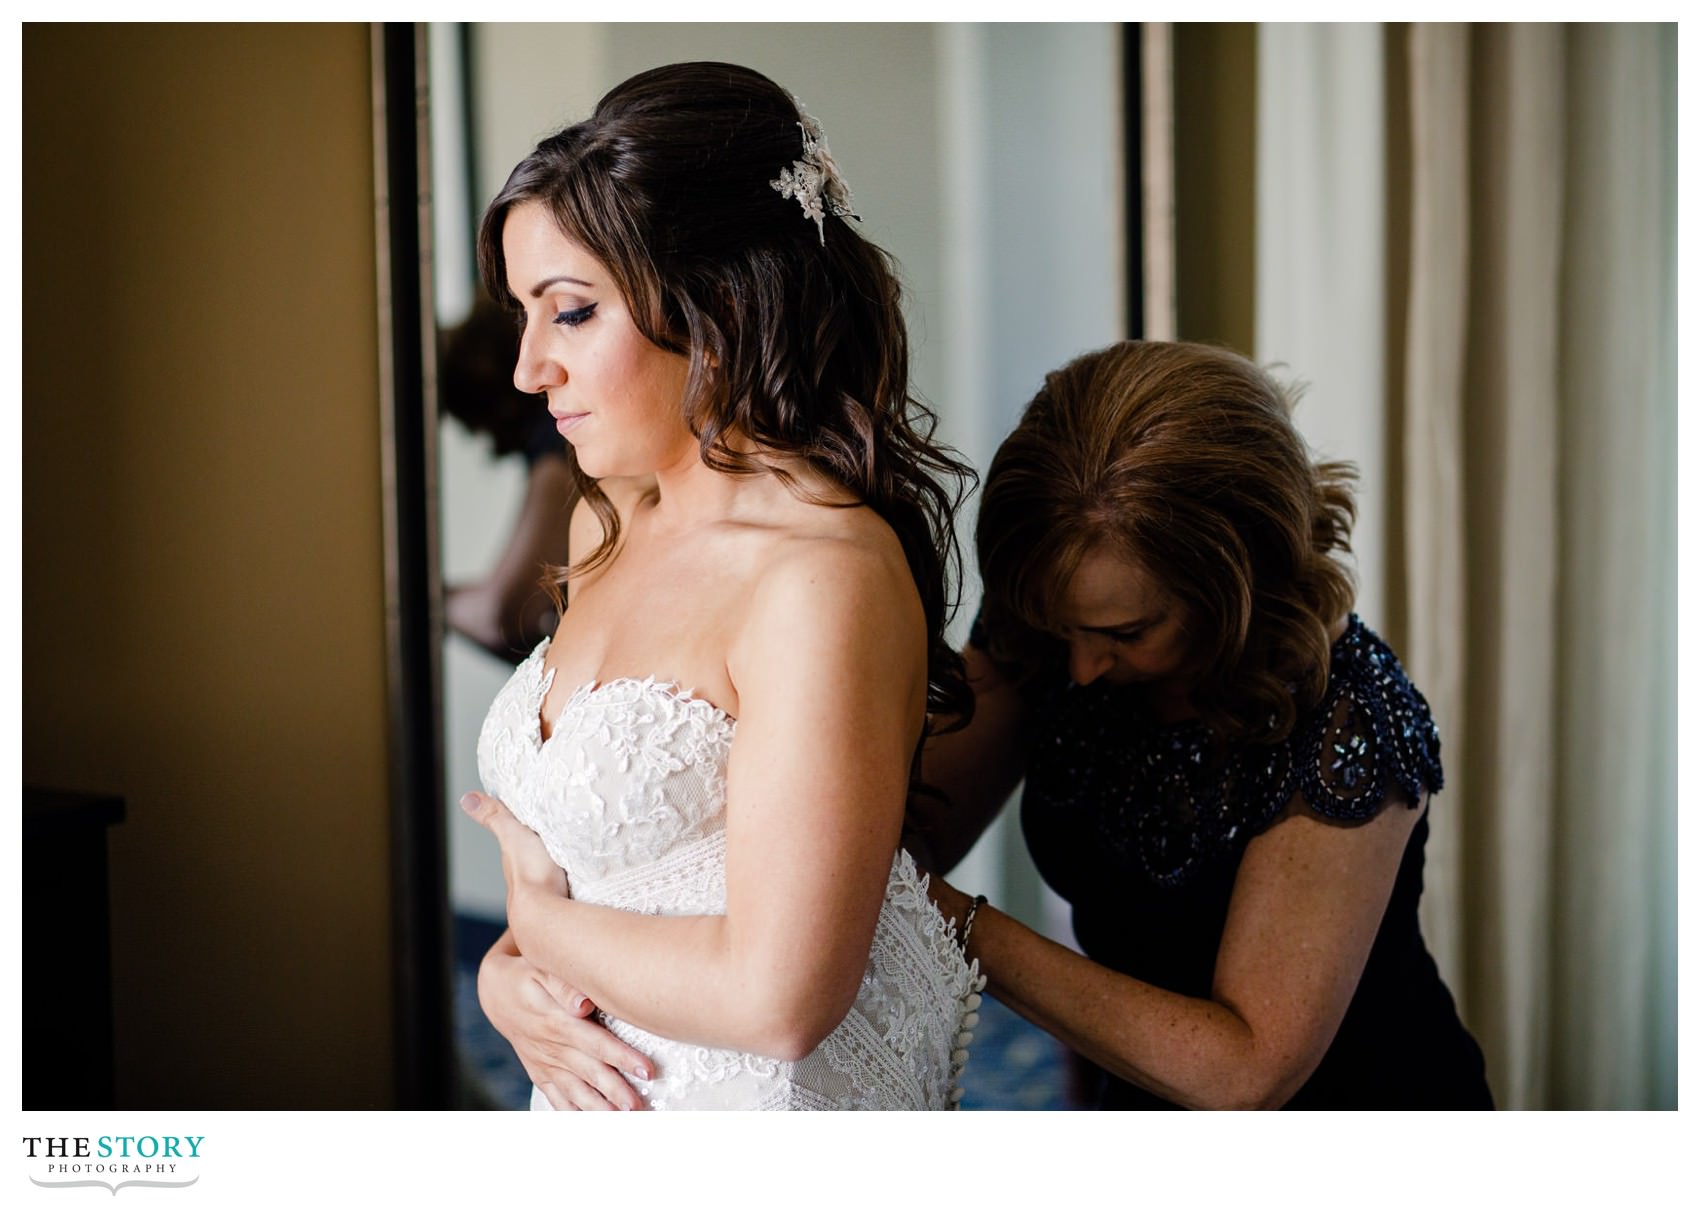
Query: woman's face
(614, 395)
(1119, 624)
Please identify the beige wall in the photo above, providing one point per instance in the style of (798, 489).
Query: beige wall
(203, 610)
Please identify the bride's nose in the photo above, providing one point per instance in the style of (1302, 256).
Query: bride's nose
(536, 371)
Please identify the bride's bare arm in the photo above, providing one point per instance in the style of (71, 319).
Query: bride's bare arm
(831, 680)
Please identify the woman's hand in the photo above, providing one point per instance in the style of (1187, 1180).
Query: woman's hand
(578, 1064)
(952, 904)
(526, 863)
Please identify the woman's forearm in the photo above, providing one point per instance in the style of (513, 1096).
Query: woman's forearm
(1308, 900)
(1192, 1051)
(684, 978)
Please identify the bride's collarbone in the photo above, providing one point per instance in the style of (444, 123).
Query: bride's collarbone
(645, 592)
(676, 632)
(717, 569)
(674, 611)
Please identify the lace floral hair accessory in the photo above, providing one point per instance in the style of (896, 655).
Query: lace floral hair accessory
(814, 180)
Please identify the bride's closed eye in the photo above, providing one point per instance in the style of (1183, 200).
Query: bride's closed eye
(576, 316)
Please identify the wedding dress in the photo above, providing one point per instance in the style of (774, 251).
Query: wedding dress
(629, 796)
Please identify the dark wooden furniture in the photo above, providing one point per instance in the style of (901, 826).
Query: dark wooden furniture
(67, 950)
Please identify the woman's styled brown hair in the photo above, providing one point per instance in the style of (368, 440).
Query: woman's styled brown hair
(794, 332)
(1182, 458)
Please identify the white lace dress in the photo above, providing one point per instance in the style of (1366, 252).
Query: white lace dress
(629, 795)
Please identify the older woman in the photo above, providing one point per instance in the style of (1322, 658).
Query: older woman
(1227, 773)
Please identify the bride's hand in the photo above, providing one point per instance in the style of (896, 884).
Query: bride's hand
(526, 863)
(578, 1064)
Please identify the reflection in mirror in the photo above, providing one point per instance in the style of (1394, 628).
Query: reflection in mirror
(987, 159)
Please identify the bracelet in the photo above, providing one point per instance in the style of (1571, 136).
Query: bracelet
(968, 922)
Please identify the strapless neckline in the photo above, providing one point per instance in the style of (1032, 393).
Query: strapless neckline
(587, 692)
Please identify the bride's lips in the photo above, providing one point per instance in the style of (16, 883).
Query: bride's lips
(564, 424)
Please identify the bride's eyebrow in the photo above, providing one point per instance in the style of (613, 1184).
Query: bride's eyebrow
(537, 291)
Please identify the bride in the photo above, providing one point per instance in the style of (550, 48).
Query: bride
(698, 784)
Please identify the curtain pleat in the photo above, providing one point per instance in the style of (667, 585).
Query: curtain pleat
(1616, 757)
(1433, 449)
(1538, 511)
(1511, 455)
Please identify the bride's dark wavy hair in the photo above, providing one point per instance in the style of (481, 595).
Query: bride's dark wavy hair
(795, 345)
(1184, 459)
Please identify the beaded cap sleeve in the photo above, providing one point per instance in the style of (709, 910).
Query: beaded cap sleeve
(1168, 800)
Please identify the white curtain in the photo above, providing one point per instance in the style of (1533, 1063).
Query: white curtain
(1466, 244)
(1539, 505)
(1615, 1031)
(1321, 235)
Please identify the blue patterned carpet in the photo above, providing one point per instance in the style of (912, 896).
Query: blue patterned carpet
(491, 1075)
(1012, 1065)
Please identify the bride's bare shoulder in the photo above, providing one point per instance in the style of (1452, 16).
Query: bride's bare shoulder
(833, 588)
(845, 546)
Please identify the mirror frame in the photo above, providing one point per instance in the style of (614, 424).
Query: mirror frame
(426, 1069)
(422, 969)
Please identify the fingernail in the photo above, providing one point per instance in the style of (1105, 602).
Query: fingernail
(469, 803)
(578, 1002)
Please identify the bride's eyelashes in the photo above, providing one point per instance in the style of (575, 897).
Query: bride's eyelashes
(570, 318)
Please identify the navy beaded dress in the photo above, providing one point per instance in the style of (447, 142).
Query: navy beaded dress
(1141, 828)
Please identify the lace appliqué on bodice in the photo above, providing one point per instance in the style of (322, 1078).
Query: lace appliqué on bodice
(1179, 801)
(629, 797)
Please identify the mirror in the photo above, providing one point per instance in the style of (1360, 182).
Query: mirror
(990, 160)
